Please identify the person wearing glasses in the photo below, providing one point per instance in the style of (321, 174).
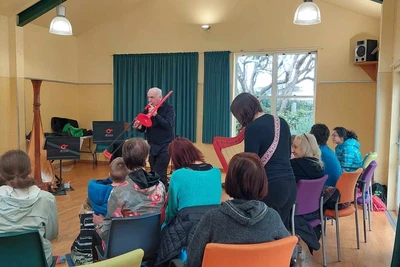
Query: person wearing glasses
(307, 163)
(347, 149)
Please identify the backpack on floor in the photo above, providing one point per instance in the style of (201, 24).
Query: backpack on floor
(81, 249)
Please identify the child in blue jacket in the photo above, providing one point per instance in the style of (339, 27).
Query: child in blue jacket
(99, 190)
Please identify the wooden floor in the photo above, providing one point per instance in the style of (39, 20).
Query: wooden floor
(377, 252)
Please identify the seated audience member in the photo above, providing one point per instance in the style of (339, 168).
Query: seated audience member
(143, 193)
(99, 190)
(242, 219)
(23, 205)
(331, 163)
(96, 203)
(347, 149)
(306, 163)
(194, 182)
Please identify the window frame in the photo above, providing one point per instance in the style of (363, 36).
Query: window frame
(274, 90)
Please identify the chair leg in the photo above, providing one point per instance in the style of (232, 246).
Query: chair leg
(293, 212)
(326, 220)
(338, 233)
(370, 210)
(322, 229)
(356, 214)
(364, 205)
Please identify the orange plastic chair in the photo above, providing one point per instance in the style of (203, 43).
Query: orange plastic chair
(270, 254)
(348, 193)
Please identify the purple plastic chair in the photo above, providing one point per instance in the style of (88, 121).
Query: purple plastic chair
(309, 199)
(365, 185)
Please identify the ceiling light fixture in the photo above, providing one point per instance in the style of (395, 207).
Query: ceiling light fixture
(60, 25)
(307, 14)
(206, 27)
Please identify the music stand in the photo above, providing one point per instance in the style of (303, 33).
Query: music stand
(106, 132)
(61, 148)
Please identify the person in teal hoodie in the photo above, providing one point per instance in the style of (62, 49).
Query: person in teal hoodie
(347, 149)
(194, 182)
(23, 205)
(331, 164)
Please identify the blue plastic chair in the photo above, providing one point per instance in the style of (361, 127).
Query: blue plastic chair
(23, 249)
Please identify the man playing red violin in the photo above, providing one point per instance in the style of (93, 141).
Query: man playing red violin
(160, 134)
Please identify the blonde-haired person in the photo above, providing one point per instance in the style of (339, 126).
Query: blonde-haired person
(306, 162)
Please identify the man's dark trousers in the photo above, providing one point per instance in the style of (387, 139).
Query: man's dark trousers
(159, 164)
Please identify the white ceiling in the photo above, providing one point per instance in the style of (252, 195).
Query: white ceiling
(86, 14)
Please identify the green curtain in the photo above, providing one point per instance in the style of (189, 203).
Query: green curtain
(216, 115)
(135, 74)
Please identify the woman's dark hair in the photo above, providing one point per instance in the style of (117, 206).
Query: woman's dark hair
(321, 133)
(183, 153)
(244, 107)
(345, 134)
(135, 152)
(246, 177)
(15, 167)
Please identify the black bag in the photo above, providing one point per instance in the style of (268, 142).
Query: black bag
(57, 124)
(81, 249)
(380, 191)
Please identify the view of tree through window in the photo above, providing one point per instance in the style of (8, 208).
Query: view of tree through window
(284, 84)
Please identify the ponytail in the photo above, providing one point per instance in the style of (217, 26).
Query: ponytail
(351, 134)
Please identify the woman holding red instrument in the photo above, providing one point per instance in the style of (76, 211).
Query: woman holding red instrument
(160, 134)
(269, 137)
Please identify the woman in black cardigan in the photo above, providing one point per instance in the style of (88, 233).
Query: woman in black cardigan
(306, 162)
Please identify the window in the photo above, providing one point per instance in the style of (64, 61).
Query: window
(283, 82)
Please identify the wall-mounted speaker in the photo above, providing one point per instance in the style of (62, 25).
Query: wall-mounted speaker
(366, 50)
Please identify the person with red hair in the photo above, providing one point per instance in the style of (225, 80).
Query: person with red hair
(194, 182)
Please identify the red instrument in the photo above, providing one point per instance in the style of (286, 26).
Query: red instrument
(145, 119)
(226, 148)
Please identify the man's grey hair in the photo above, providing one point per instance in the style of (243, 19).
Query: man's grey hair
(157, 90)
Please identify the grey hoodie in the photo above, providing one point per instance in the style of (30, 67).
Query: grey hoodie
(29, 209)
(235, 222)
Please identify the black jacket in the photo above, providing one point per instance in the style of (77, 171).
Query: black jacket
(306, 168)
(177, 234)
(161, 133)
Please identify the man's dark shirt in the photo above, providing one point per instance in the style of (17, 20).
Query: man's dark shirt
(161, 133)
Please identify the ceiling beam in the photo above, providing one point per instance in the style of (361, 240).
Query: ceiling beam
(36, 10)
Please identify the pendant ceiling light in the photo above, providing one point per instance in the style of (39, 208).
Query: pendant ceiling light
(60, 25)
(307, 14)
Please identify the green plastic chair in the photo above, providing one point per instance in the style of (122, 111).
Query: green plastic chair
(369, 158)
(23, 249)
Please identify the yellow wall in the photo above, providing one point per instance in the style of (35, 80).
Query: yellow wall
(57, 100)
(49, 56)
(4, 84)
(351, 105)
(4, 53)
(249, 25)
(8, 97)
(95, 103)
